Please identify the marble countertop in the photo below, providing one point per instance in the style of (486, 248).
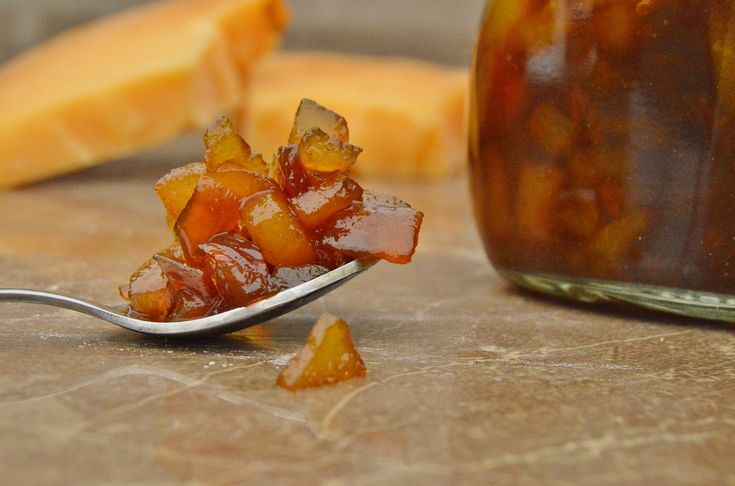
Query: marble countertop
(469, 379)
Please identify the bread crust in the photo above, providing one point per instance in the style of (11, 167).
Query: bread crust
(408, 115)
(128, 82)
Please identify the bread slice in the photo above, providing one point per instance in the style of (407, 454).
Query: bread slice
(407, 115)
(129, 82)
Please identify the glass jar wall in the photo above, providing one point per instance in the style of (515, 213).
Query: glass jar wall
(602, 149)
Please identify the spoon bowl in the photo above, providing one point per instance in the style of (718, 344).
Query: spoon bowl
(226, 322)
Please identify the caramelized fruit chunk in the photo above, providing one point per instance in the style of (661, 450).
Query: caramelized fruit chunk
(616, 239)
(215, 207)
(148, 293)
(257, 164)
(538, 187)
(551, 130)
(246, 230)
(243, 183)
(577, 214)
(190, 305)
(328, 256)
(166, 288)
(240, 273)
(311, 114)
(379, 226)
(192, 290)
(328, 357)
(212, 209)
(223, 144)
(292, 175)
(332, 194)
(175, 188)
(276, 231)
(321, 153)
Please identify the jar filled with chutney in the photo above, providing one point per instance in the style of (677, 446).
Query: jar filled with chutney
(602, 150)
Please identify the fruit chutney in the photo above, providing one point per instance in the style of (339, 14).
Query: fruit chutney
(602, 150)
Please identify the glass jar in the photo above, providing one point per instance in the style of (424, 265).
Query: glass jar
(602, 150)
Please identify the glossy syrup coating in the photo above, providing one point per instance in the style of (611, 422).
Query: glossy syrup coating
(287, 277)
(148, 293)
(378, 226)
(245, 230)
(274, 227)
(215, 206)
(327, 196)
(292, 176)
(239, 272)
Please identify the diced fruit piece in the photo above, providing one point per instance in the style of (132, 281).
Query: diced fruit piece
(321, 153)
(538, 188)
(615, 239)
(287, 277)
(328, 357)
(616, 24)
(605, 253)
(552, 130)
(379, 226)
(191, 289)
(577, 214)
(212, 209)
(331, 194)
(311, 114)
(292, 176)
(276, 231)
(242, 182)
(239, 271)
(185, 277)
(166, 288)
(327, 256)
(257, 164)
(190, 305)
(175, 188)
(215, 207)
(224, 144)
(148, 292)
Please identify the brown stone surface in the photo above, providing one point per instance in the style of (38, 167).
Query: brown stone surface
(469, 380)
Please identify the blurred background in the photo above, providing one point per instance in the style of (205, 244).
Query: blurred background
(440, 31)
(436, 30)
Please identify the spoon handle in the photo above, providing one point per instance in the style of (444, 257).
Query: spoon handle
(55, 300)
(229, 321)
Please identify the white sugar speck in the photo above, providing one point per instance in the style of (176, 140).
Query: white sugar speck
(281, 360)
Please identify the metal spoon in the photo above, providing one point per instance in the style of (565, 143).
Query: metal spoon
(230, 321)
